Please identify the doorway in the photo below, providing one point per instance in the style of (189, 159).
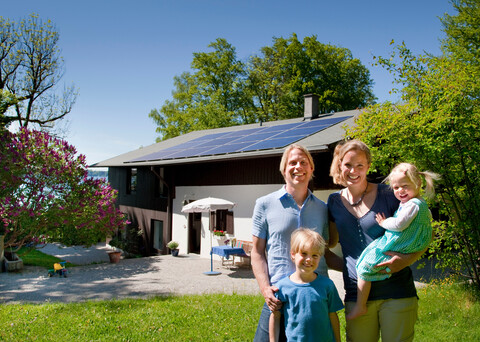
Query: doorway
(158, 243)
(194, 232)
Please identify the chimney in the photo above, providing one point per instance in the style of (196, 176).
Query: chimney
(310, 106)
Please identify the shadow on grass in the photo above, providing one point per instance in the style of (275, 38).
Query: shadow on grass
(428, 272)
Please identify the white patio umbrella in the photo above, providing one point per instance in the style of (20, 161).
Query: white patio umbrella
(208, 204)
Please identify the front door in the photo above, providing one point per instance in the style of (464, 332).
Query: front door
(194, 232)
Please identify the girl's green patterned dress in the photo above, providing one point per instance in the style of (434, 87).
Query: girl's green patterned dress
(408, 231)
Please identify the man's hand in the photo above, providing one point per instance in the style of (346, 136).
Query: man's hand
(273, 303)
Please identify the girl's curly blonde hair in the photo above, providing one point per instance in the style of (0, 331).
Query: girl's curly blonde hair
(415, 176)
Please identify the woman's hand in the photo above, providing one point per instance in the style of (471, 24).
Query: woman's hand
(398, 261)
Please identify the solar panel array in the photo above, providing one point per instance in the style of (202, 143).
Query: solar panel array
(253, 139)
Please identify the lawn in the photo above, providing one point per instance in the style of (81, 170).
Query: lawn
(33, 257)
(448, 312)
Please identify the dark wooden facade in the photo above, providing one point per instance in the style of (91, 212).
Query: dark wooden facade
(151, 199)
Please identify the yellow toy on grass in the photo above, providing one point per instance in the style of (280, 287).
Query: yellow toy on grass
(58, 268)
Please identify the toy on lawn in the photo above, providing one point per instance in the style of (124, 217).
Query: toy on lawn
(58, 268)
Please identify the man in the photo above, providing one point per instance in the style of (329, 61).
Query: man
(275, 217)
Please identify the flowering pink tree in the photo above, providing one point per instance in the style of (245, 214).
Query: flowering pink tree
(45, 193)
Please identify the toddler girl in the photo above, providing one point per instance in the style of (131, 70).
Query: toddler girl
(408, 231)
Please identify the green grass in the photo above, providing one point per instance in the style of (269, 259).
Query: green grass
(185, 318)
(33, 257)
(448, 312)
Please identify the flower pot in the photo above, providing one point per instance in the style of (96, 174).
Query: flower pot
(220, 239)
(175, 252)
(114, 256)
(13, 262)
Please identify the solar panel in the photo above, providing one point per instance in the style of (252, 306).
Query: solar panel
(272, 143)
(252, 139)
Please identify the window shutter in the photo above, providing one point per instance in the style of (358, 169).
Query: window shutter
(213, 221)
(230, 222)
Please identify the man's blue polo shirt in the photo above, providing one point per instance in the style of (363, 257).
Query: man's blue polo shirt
(275, 217)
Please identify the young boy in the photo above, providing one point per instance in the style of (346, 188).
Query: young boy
(310, 301)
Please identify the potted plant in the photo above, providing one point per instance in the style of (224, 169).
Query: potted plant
(219, 233)
(117, 246)
(12, 261)
(173, 245)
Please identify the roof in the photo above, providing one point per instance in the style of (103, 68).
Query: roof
(316, 142)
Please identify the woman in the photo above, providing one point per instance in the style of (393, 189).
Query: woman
(392, 304)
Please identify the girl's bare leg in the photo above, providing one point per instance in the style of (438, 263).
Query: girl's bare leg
(360, 307)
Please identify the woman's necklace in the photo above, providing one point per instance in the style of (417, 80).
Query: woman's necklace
(360, 200)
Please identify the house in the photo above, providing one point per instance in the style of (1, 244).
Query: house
(238, 164)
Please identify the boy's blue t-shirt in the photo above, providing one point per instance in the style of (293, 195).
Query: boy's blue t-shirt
(306, 308)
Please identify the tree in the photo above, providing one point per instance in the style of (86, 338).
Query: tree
(45, 193)
(222, 91)
(284, 72)
(437, 128)
(6, 101)
(30, 70)
(210, 97)
(463, 31)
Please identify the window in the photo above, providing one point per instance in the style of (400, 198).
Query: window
(223, 220)
(157, 227)
(131, 180)
(160, 188)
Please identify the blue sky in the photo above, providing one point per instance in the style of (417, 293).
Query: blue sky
(122, 55)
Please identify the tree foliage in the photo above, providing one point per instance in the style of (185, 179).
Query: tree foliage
(210, 97)
(223, 91)
(284, 72)
(463, 31)
(45, 193)
(30, 71)
(437, 128)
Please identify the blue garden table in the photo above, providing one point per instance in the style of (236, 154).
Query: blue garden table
(225, 252)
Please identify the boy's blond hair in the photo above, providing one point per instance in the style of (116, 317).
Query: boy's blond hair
(304, 238)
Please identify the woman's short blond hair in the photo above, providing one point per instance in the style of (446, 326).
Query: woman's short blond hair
(283, 162)
(304, 238)
(341, 149)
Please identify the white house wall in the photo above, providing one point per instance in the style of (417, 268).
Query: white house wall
(243, 195)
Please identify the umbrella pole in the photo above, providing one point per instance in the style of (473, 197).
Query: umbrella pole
(211, 272)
